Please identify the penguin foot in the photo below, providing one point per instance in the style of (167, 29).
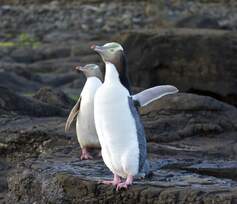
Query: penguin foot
(116, 181)
(99, 154)
(125, 184)
(85, 155)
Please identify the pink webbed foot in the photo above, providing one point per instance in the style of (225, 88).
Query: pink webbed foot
(85, 155)
(114, 182)
(125, 184)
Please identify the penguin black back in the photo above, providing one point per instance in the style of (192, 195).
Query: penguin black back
(123, 72)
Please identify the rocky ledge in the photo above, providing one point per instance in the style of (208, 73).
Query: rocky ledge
(193, 161)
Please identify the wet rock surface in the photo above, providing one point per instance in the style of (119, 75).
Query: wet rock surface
(192, 141)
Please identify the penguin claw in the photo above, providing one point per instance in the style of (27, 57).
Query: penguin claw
(85, 155)
(113, 183)
(99, 154)
(116, 181)
(125, 184)
(122, 185)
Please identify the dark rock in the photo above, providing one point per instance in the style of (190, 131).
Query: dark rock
(53, 97)
(56, 66)
(221, 169)
(76, 181)
(198, 22)
(10, 101)
(198, 61)
(18, 81)
(26, 55)
(25, 137)
(57, 80)
(173, 123)
(191, 139)
(30, 55)
(27, 74)
(56, 51)
(47, 168)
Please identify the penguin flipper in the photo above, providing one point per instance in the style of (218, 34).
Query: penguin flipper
(75, 110)
(147, 96)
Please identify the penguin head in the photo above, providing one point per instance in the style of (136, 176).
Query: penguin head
(90, 70)
(110, 52)
(113, 52)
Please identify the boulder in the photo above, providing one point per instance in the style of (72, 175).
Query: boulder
(26, 55)
(12, 102)
(197, 61)
(26, 136)
(19, 81)
(198, 21)
(53, 97)
(174, 122)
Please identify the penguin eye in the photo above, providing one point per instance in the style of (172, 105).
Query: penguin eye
(112, 50)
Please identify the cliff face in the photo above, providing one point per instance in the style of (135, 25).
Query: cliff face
(191, 136)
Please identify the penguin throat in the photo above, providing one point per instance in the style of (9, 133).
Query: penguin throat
(119, 61)
(112, 76)
(96, 73)
(111, 73)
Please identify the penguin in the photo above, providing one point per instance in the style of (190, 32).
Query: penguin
(83, 111)
(120, 131)
(118, 124)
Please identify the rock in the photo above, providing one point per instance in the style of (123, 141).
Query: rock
(10, 101)
(30, 55)
(26, 55)
(198, 61)
(191, 139)
(193, 14)
(17, 82)
(58, 80)
(77, 182)
(173, 123)
(185, 167)
(54, 52)
(198, 22)
(225, 169)
(53, 97)
(70, 22)
(23, 136)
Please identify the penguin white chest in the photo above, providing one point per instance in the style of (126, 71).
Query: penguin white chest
(85, 125)
(116, 129)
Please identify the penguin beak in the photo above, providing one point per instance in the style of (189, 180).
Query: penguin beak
(99, 49)
(79, 68)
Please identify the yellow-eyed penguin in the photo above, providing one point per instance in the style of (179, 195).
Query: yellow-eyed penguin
(83, 111)
(119, 128)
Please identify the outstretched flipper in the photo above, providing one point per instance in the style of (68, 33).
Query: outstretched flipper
(147, 96)
(75, 110)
